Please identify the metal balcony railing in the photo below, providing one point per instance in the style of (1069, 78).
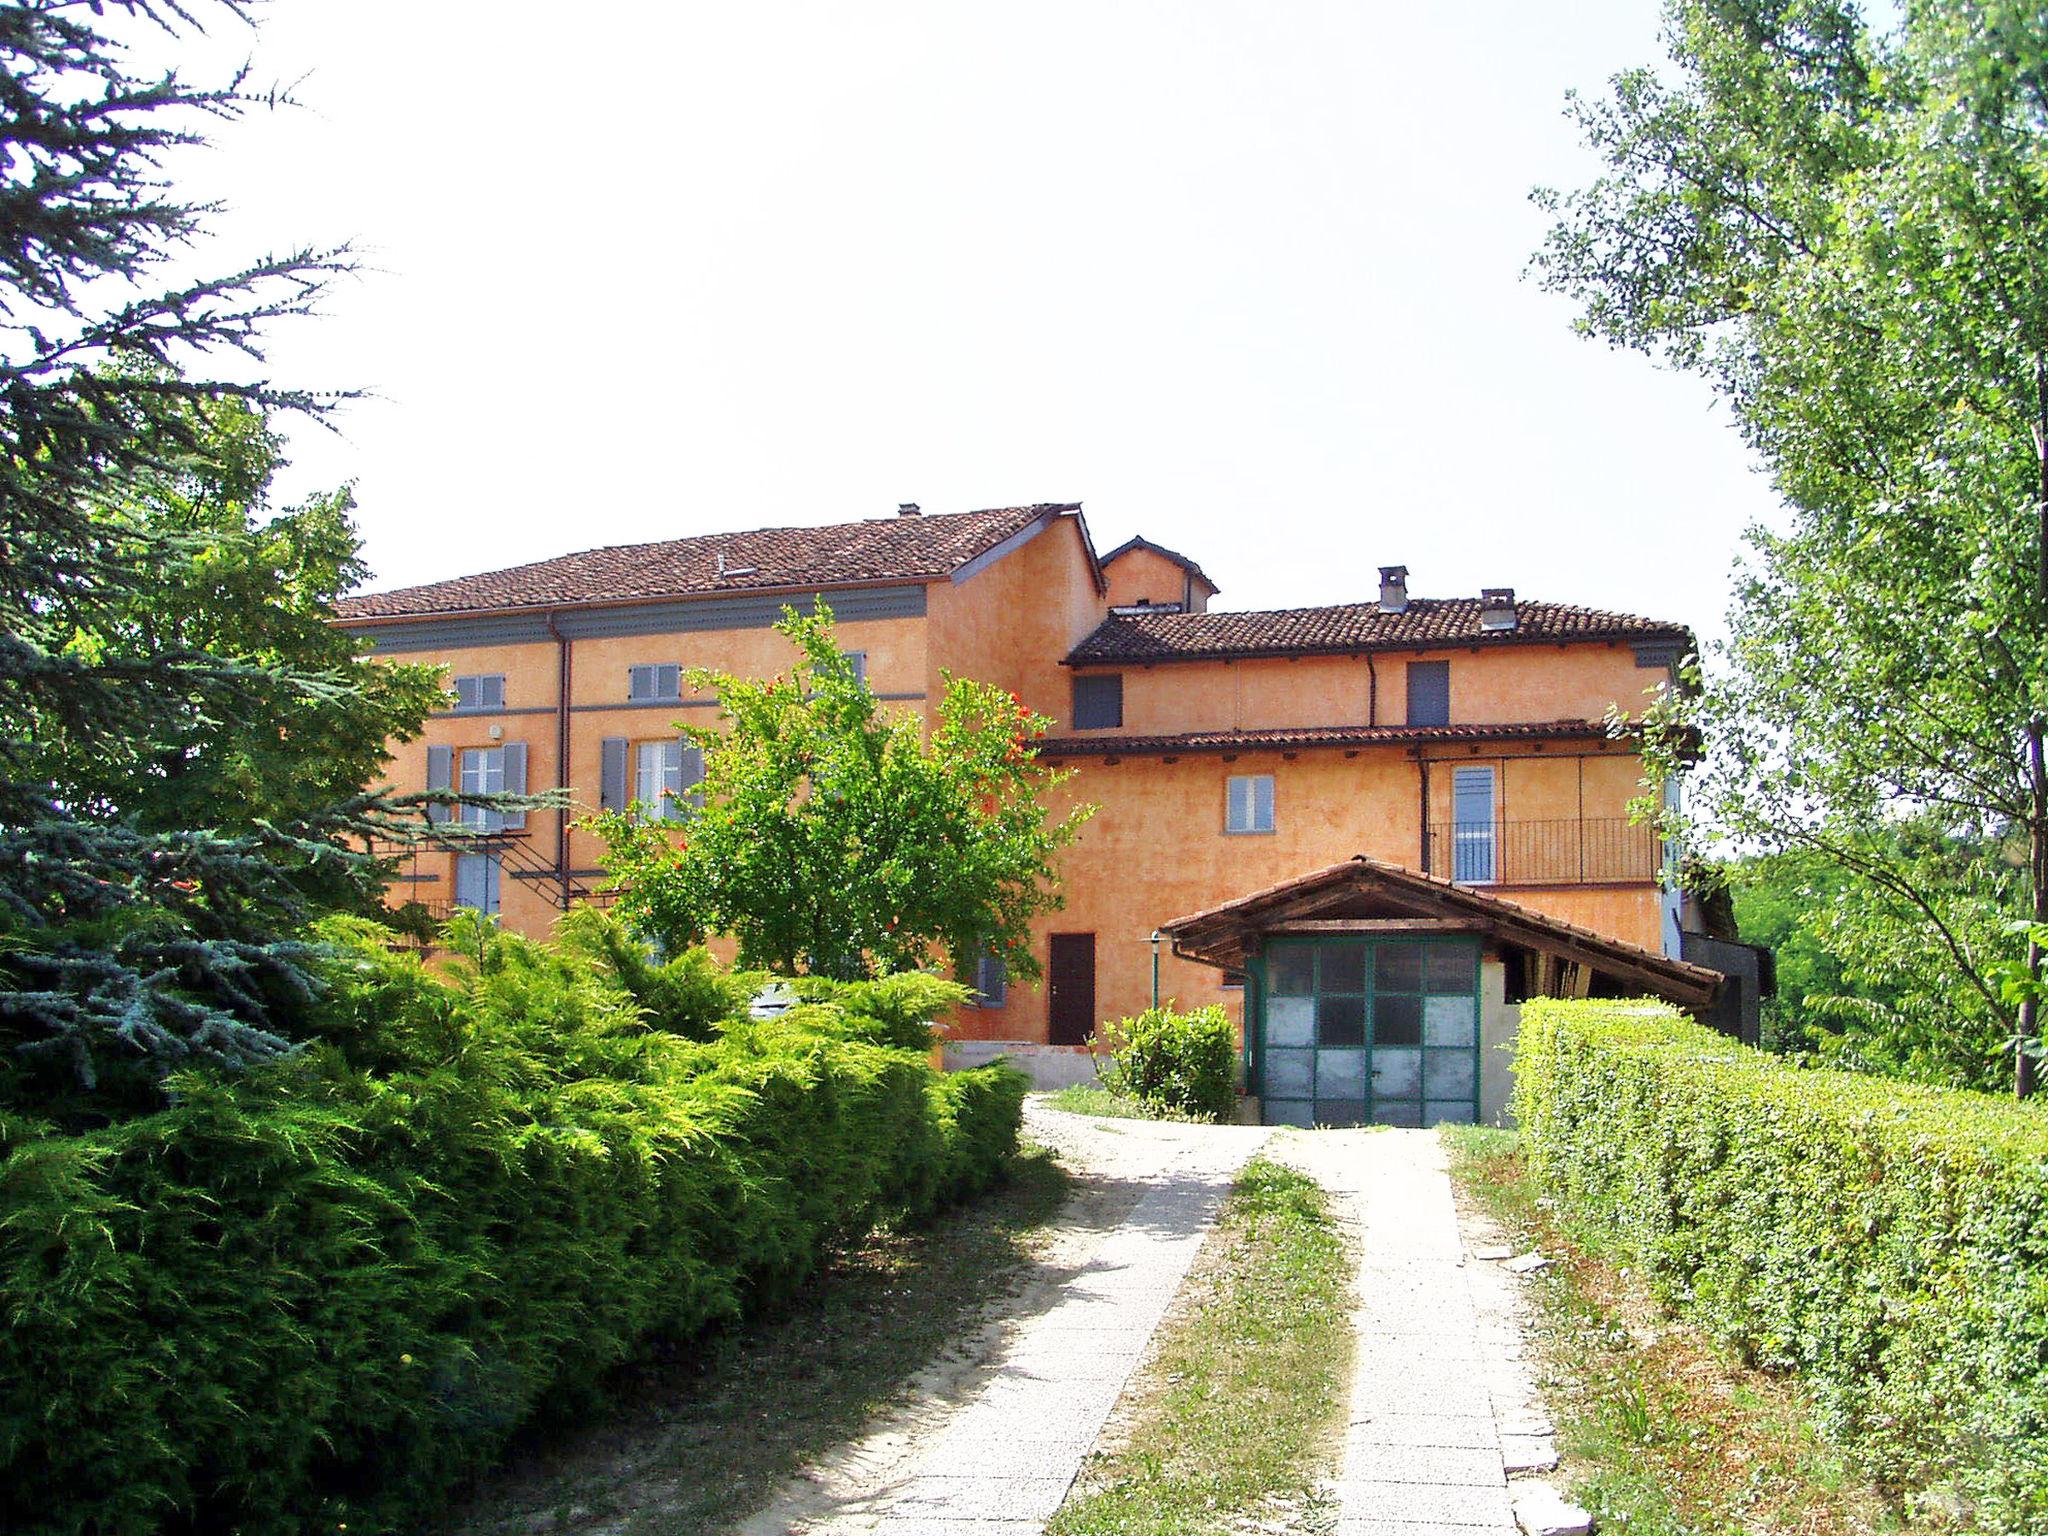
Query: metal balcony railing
(1571, 851)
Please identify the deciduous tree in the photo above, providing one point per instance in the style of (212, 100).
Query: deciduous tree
(1843, 224)
(829, 835)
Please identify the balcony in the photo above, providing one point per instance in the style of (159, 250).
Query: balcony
(1572, 851)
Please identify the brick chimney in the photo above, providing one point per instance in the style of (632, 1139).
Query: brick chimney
(908, 509)
(1497, 608)
(1393, 589)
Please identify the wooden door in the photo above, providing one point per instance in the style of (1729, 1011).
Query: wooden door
(1070, 989)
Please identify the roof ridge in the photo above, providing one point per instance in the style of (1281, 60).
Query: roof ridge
(893, 548)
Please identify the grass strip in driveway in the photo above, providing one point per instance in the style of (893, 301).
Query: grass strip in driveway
(1240, 1411)
(1661, 1433)
(701, 1433)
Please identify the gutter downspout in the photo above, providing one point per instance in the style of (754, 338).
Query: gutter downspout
(1372, 693)
(564, 675)
(1422, 769)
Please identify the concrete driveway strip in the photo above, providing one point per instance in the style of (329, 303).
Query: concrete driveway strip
(1004, 1460)
(1435, 1375)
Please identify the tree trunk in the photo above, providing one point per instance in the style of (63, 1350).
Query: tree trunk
(2028, 1036)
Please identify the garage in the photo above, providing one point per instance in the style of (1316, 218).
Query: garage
(1377, 995)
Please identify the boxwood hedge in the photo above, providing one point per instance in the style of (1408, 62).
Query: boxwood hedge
(1887, 1242)
(318, 1296)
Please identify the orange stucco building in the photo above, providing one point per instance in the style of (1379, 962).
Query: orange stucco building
(1462, 737)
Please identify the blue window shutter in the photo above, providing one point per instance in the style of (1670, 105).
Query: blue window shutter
(1429, 693)
(693, 778)
(639, 684)
(668, 681)
(612, 793)
(515, 782)
(1098, 700)
(491, 691)
(440, 775)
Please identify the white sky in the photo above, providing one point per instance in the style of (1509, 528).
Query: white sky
(1244, 278)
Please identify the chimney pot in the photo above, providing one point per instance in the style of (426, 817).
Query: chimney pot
(1393, 589)
(1497, 608)
(907, 509)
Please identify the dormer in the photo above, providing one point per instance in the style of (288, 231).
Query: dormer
(1149, 578)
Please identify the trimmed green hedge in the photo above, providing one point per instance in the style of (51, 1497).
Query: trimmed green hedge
(327, 1292)
(1887, 1242)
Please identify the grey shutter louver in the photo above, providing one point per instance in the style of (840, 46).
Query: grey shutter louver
(515, 782)
(639, 684)
(1429, 693)
(1098, 701)
(612, 794)
(491, 691)
(668, 680)
(465, 693)
(440, 775)
(693, 777)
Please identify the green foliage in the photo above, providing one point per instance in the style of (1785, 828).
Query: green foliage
(834, 838)
(1173, 1061)
(1885, 1241)
(327, 1290)
(1858, 983)
(183, 736)
(1839, 219)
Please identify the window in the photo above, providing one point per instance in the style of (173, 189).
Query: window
(483, 690)
(1473, 833)
(476, 882)
(1429, 693)
(1249, 803)
(1098, 700)
(654, 682)
(858, 660)
(483, 773)
(665, 773)
(991, 982)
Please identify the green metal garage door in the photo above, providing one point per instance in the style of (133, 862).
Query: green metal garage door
(1358, 1031)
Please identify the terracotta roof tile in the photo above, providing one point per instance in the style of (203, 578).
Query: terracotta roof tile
(887, 549)
(1107, 745)
(1351, 627)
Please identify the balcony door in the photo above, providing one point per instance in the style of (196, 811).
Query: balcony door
(1474, 839)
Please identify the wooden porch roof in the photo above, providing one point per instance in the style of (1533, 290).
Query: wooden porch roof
(1367, 895)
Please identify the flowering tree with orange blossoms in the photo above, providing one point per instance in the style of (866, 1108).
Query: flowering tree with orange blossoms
(831, 836)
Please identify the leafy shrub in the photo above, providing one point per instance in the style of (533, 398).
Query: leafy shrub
(329, 1290)
(1886, 1242)
(1168, 1060)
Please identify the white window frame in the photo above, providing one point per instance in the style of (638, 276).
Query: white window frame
(481, 771)
(658, 779)
(1241, 807)
(1475, 845)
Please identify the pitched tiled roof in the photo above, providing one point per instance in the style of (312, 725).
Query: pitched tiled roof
(1350, 627)
(1289, 738)
(1179, 559)
(883, 550)
(1215, 936)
